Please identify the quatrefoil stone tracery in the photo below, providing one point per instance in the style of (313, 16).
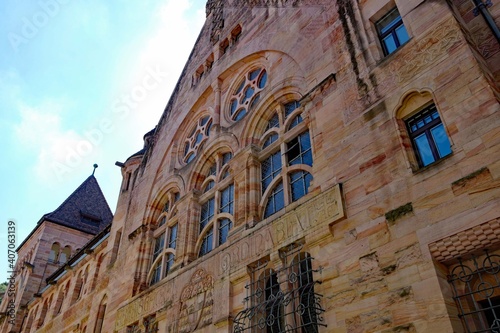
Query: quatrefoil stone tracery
(197, 138)
(248, 93)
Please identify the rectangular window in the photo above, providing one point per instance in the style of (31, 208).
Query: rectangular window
(428, 136)
(227, 200)
(172, 238)
(224, 227)
(169, 262)
(207, 213)
(299, 150)
(391, 31)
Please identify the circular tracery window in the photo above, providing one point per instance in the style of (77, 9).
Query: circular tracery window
(247, 94)
(197, 138)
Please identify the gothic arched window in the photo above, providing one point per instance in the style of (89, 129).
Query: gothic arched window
(217, 205)
(196, 138)
(287, 159)
(165, 239)
(247, 93)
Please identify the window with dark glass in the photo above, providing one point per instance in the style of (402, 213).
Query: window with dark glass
(294, 150)
(282, 300)
(150, 324)
(134, 328)
(165, 239)
(391, 31)
(217, 206)
(474, 281)
(428, 136)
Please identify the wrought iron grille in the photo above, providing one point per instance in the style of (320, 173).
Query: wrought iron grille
(150, 324)
(476, 289)
(282, 300)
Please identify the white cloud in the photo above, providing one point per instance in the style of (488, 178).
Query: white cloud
(58, 151)
(167, 49)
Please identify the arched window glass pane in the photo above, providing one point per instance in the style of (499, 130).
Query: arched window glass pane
(158, 247)
(290, 107)
(224, 227)
(156, 276)
(297, 120)
(270, 139)
(207, 243)
(209, 186)
(276, 201)
(273, 122)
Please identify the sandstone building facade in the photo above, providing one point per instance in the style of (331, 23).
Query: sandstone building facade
(322, 166)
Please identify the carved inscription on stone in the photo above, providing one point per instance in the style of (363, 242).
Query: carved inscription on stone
(321, 210)
(196, 302)
(143, 306)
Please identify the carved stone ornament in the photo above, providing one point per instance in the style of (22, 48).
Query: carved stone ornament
(196, 302)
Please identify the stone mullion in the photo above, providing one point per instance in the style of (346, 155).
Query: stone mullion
(146, 261)
(284, 170)
(215, 229)
(251, 191)
(216, 86)
(187, 233)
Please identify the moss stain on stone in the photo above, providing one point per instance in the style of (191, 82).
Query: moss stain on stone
(462, 181)
(397, 213)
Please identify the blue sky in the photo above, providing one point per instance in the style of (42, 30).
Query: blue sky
(80, 83)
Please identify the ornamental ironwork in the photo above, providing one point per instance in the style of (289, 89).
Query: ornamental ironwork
(476, 289)
(284, 299)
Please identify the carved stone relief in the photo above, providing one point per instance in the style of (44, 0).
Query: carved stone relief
(196, 302)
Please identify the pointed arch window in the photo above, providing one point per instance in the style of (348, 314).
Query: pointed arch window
(197, 138)
(217, 205)
(247, 95)
(287, 159)
(165, 239)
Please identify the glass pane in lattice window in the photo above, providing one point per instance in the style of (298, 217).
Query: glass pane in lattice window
(227, 199)
(207, 213)
(172, 240)
(207, 243)
(299, 183)
(276, 201)
(224, 227)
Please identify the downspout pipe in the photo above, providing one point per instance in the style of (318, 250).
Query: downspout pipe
(481, 7)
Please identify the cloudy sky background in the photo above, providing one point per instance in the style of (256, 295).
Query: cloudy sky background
(80, 83)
